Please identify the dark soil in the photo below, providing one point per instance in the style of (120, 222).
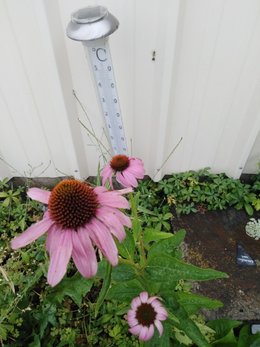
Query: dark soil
(211, 241)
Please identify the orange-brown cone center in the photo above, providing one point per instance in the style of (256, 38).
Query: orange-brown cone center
(72, 204)
(119, 162)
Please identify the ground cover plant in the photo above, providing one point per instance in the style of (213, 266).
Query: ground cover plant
(97, 311)
(195, 191)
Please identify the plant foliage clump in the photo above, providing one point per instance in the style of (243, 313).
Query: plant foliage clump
(195, 191)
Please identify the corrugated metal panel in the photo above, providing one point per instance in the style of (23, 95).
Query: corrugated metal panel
(203, 85)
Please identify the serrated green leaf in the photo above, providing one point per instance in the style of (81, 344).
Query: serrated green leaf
(167, 246)
(166, 269)
(123, 272)
(155, 235)
(125, 291)
(190, 328)
(193, 302)
(76, 287)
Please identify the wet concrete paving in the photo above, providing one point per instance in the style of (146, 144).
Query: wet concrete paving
(211, 241)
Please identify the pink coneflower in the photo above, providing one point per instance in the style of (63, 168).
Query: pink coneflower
(145, 313)
(126, 169)
(77, 215)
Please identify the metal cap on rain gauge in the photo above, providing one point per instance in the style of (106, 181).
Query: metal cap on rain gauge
(92, 25)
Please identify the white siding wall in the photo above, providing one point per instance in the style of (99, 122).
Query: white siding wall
(204, 85)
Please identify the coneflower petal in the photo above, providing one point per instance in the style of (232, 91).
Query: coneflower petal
(144, 297)
(32, 233)
(129, 177)
(39, 195)
(106, 174)
(112, 199)
(109, 218)
(150, 332)
(101, 236)
(136, 329)
(159, 326)
(136, 302)
(143, 333)
(59, 258)
(53, 237)
(83, 253)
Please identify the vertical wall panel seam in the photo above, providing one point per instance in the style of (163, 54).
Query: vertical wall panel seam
(190, 110)
(165, 91)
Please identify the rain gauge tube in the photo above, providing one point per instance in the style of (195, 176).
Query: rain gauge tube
(92, 26)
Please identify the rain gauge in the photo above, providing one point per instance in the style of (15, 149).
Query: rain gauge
(92, 26)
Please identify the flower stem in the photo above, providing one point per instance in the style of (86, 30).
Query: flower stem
(104, 289)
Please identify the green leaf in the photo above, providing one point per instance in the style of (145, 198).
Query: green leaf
(6, 202)
(244, 336)
(190, 328)
(256, 204)
(136, 224)
(146, 211)
(167, 216)
(125, 291)
(167, 246)
(76, 287)
(102, 268)
(249, 209)
(193, 302)
(166, 269)
(155, 235)
(246, 339)
(47, 314)
(254, 341)
(123, 272)
(223, 326)
(16, 200)
(227, 341)
(36, 342)
(22, 224)
(137, 228)
(126, 248)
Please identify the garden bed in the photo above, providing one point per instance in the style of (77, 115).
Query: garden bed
(155, 257)
(211, 241)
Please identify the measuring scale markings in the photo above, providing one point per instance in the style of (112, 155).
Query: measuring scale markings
(103, 72)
